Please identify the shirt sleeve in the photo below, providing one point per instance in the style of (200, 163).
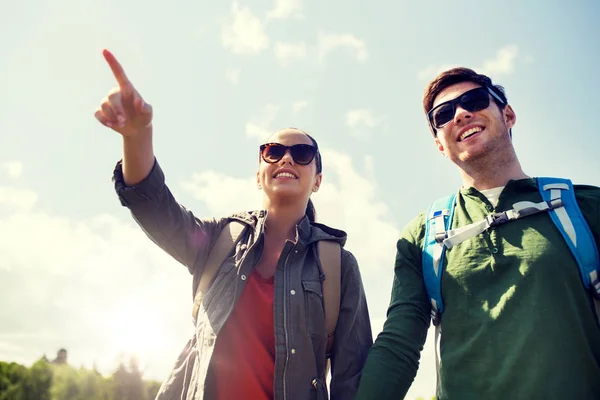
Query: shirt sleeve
(353, 336)
(588, 199)
(394, 358)
(167, 223)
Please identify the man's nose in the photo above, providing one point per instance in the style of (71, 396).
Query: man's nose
(461, 114)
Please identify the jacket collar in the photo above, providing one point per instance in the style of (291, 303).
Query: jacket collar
(307, 231)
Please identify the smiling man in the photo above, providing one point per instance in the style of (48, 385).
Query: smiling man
(506, 269)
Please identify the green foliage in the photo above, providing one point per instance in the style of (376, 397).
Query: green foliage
(47, 381)
(14, 379)
(40, 380)
(152, 388)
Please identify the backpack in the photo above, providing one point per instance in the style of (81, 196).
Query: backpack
(558, 199)
(330, 258)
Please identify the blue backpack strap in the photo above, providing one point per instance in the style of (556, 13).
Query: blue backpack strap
(572, 225)
(438, 221)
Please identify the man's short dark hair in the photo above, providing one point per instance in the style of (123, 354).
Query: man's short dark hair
(459, 75)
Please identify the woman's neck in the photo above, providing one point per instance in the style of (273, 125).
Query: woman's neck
(282, 220)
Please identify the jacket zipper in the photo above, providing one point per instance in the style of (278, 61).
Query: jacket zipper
(287, 350)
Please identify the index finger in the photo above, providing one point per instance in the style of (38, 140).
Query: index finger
(116, 68)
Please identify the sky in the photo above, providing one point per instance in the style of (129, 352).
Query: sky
(75, 270)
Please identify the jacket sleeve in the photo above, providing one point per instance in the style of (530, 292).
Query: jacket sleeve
(166, 222)
(394, 358)
(353, 336)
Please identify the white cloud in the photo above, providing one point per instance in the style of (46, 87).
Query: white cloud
(365, 117)
(245, 34)
(329, 42)
(14, 169)
(22, 199)
(97, 287)
(361, 120)
(233, 75)
(298, 106)
(287, 53)
(432, 71)
(256, 131)
(222, 194)
(285, 9)
(260, 126)
(502, 64)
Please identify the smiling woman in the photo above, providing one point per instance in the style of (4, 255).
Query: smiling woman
(260, 314)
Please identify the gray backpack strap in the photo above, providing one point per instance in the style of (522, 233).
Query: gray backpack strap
(330, 255)
(229, 236)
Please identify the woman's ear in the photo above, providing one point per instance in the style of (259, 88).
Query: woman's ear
(317, 184)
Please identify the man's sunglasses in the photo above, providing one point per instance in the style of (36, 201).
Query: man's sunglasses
(473, 100)
(302, 154)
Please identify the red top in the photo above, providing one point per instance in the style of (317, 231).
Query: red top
(243, 361)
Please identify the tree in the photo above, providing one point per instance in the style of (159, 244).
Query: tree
(40, 380)
(13, 381)
(65, 384)
(93, 385)
(152, 388)
(128, 383)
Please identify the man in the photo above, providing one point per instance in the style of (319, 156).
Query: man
(517, 321)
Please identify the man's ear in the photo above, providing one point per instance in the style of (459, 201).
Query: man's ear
(510, 118)
(439, 145)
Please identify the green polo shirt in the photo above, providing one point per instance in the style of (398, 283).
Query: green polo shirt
(517, 324)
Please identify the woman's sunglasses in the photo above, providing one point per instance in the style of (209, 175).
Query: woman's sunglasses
(302, 154)
(473, 100)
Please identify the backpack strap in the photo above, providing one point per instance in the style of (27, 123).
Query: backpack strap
(330, 256)
(520, 210)
(228, 237)
(438, 221)
(574, 228)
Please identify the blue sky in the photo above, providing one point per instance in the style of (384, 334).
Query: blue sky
(76, 272)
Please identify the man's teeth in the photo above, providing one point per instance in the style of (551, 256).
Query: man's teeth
(470, 132)
(284, 175)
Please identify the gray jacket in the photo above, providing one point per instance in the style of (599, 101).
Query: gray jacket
(300, 335)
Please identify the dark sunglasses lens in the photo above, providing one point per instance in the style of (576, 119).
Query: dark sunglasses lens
(475, 100)
(442, 115)
(303, 153)
(272, 153)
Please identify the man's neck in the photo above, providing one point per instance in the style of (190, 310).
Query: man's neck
(488, 174)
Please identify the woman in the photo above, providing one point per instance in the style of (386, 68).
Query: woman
(260, 332)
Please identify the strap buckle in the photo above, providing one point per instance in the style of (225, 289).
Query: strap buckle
(436, 317)
(440, 237)
(497, 219)
(595, 288)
